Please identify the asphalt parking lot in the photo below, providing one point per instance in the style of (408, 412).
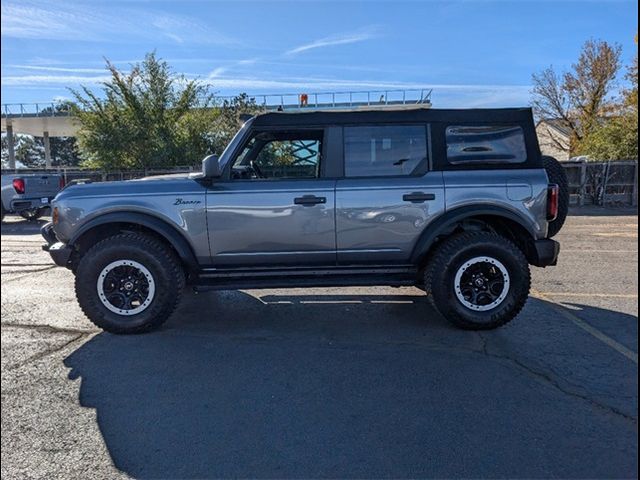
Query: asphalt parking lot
(358, 382)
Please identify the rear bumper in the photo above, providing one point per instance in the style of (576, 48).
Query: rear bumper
(21, 204)
(545, 252)
(60, 252)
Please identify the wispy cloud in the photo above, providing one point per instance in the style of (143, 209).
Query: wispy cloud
(34, 19)
(61, 80)
(217, 72)
(444, 95)
(43, 68)
(340, 39)
(183, 29)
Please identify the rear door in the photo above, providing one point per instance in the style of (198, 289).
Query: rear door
(387, 196)
(277, 207)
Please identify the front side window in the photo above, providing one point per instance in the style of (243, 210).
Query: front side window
(280, 156)
(371, 151)
(485, 144)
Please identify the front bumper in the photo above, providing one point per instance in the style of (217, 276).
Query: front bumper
(545, 252)
(60, 252)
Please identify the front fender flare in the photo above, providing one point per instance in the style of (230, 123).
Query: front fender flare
(161, 227)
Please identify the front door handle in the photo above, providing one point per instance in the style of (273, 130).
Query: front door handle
(418, 197)
(309, 200)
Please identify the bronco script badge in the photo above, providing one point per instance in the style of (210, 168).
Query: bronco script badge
(180, 201)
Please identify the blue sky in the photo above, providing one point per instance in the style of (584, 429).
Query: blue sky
(472, 53)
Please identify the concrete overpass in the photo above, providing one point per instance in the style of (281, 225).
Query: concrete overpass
(54, 120)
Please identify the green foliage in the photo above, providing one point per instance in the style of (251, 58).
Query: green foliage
(615, 139)
(151, 117)
(230, 116)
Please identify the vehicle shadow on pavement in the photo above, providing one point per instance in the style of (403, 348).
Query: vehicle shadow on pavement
(301, 386)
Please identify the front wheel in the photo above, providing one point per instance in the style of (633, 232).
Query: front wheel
(478, 280)
(129, 283)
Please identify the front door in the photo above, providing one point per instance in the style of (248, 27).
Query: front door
(275, 209)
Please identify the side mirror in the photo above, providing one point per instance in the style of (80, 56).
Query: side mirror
(211, 167)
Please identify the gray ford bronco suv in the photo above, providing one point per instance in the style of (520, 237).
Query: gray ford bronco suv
(458, 203)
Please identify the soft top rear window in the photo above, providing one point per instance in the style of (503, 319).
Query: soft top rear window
(490, 144)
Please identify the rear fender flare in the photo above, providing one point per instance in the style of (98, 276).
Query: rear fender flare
(443, 224)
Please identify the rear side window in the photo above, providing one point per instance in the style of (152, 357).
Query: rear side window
(372, 151)
(485, 144)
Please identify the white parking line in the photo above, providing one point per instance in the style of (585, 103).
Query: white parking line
(588, 295)
(630, 354)
(597, 251)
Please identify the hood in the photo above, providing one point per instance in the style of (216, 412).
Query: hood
(160, 184)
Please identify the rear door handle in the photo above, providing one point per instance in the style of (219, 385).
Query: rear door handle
(418, 197)
(309, 200)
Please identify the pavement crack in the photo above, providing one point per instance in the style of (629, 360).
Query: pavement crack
(48, 328)
(8, 264)
(31, 271)
(45, 353)
(549, 380)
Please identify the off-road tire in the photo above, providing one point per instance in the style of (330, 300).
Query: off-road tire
(32, 214)
(557, 175)
(161, 262)
(451, 254)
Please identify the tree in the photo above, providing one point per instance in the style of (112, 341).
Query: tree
(616, 137)
(64, 150)
(29, 152)
(580, 97)
(148, 117)
(231, 116)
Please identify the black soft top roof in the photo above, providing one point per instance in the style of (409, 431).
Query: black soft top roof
(479, 115)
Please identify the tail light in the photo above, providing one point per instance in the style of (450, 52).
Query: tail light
(18, 185)
(553, 192)
(55, 216)
(61, 183)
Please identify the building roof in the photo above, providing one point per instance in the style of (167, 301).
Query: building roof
(559, 125)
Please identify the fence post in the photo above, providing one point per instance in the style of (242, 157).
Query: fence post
(583, 183)
(634, 195)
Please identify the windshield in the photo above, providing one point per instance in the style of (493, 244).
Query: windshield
(226, 155)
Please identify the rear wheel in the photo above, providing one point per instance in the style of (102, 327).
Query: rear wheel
(32, 214)
(557, 175)
(478, 280)
(129, 283)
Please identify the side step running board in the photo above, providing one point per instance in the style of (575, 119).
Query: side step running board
(289, 278)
